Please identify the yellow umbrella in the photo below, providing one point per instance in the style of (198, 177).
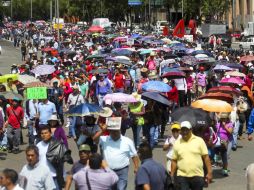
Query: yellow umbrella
(212, 105)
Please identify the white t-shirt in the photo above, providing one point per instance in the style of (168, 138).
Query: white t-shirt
(171, 140)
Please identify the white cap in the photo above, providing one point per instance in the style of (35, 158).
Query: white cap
(186, 124)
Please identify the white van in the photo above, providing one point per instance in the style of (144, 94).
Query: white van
(102, 22)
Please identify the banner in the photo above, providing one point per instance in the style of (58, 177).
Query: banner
(36, 93)
(134, 2)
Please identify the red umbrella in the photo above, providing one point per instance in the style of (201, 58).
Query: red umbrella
(95, 29)
(174, 75)
(247, 58)
(218, 96)
(225, 89)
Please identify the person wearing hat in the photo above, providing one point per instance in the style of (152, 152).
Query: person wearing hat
(224, 129)
(57, 130)
(169, 143)
(137, 110)
(122, 148)
(201, 81)
(190, 154)
(84, 154)
(15, 115)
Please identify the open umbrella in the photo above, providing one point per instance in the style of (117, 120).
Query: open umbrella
(189, 60)
(120, 97)
(156, 96)
(11, 95)
(218, 96)
(174, 74)
(84, 110)
(222, 68)
(24, 79)
(212, 105)
(247, 58)
(99, 71)
(225, 89)
(232, 80)
(43, 70)
(95, 29)
(158, 86)
(36, 84)
(122, 51)
(96, 57)
(197, 117)
(235, 74)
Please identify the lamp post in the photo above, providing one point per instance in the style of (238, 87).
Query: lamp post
(182, 9)
(31, 10)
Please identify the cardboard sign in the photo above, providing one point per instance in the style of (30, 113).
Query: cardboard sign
(114, 122)
(37, 93)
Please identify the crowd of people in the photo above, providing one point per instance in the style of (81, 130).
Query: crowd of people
(88, 69)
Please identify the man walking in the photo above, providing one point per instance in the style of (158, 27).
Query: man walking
(151, 175)
(15, 114)
(189, 152)
(117, 151)
(37, 175)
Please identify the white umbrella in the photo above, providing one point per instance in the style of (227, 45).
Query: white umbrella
(25, 79)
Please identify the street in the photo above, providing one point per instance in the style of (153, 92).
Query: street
(238, 161)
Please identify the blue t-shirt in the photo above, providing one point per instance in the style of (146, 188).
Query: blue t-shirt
(152, 173)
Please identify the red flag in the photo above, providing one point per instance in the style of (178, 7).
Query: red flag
(179, 30)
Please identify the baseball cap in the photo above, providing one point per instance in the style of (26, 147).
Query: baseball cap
(186, 124)
(175, 126)
(84, 147)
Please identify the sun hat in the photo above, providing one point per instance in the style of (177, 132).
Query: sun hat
(84, 147)
(106, 112)
(175, 126)
(143, 70)
(53, 118)
(136, 96)
(186, 124)
(224, 115)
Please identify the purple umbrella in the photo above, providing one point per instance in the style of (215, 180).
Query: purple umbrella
(120, 97)
(189, 60)
(222, 67)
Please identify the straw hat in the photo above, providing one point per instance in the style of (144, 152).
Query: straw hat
(53, 118)
(106, 112)
(136, 96)
(143, 70)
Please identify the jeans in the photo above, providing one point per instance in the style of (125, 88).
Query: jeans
(119, 90)
(235, 133)
(13, 136)
(100, 100)
(82, 138)
(136, 134)
(152, 135)
(181, 97)
(190, 183)
(31, 137)
(123, 179)
(223, 154)
(3, 139)
(72, 132)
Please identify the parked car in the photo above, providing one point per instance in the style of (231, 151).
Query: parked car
(247, 43)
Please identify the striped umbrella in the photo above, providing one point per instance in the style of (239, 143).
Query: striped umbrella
(43, 70)
(36, 84)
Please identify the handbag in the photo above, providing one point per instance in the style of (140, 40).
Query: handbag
(220, 143)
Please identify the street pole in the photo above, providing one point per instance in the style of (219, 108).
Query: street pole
(149, 12)
(182, 9)
(58, 31)
(51, 11)
(101, 8)
(233, 16)
(11, 9)
(31, 10)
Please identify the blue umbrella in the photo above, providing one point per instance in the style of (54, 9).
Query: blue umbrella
(156, 96)
(202, 52)
(222, 67)
(158, 86)
(170, 69)
(84, 110)
(135, 36)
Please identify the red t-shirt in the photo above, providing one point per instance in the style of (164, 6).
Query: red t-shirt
(119, 81)
(13, 120)
(173, 94)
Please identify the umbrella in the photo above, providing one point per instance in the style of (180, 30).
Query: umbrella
(47, 49)
(174, 74)
(122, 51)
(231, 65)
(222, 67)
(100, 70)
(145, 51)
(189, 60)
(232, 80)
(122, 57)
(197, 117)
(24, 79)
(88, 44)
(123, 61)
(156, 96)
(212, 105)
(218, 96)
(185, 69)
(97, 56)
(247, 58)
(36, 84)
(84, 110)
(158, 86)
(11, 95)
(198, 56)
(225, 89)
(43, 70)
(120, 97)
(196, 52)
(235, 74)
(95, 29)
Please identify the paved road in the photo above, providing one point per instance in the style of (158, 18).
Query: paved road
(237, 163)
